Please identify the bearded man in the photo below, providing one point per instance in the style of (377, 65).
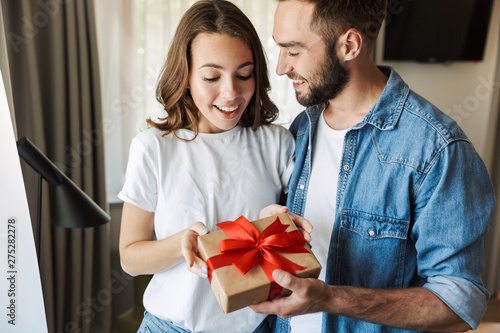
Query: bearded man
(397, 195)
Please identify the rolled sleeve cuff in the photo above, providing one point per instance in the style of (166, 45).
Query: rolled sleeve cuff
(465, 298)
(141, 205)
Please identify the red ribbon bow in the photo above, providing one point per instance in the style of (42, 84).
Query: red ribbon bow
(246, 247)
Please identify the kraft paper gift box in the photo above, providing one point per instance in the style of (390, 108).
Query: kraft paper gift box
(255, 252)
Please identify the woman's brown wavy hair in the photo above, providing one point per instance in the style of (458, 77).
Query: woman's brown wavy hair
(209, 16)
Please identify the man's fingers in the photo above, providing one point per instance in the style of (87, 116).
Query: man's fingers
(267, 307)
(285, 279)
(308, 296)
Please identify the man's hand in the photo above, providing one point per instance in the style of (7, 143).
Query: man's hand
(308, 296)
(386, 307)
(304, 226)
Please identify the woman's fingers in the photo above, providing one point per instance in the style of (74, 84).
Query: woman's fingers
(199, 268)
(189, 247)
(272, 210)
(305, 227)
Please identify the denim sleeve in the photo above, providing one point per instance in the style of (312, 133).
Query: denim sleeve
(453, 203)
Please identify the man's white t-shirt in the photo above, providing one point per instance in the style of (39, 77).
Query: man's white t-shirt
(321, 206)
(214, 178)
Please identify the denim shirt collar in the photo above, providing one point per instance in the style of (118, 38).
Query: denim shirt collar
(386, 112)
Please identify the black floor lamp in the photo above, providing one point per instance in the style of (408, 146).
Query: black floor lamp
(71, 207)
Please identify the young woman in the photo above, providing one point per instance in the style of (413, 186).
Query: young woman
(213, 158)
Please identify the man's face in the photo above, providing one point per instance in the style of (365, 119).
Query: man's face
(314, 68)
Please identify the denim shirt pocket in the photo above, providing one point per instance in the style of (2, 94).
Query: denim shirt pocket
(371, 250)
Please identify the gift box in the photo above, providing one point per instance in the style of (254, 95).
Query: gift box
(242, 256)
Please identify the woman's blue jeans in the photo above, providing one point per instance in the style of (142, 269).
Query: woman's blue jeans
(153, 324)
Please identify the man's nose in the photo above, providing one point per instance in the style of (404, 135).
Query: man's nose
(283, 67)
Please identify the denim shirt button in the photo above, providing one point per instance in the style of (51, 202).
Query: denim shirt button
(346, 167)
(302, 187)
(372, 233)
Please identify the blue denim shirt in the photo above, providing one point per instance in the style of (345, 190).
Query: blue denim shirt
(413, 202)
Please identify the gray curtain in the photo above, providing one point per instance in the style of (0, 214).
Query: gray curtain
(54, 70)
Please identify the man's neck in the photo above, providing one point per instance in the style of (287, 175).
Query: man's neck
(358, 97)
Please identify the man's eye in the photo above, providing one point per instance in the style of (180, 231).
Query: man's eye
(293, 54)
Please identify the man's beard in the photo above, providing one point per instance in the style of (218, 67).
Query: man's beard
(325, 84)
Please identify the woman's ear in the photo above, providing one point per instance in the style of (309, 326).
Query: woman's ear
(351, 43)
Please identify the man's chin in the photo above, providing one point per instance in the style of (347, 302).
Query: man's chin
(304, 100)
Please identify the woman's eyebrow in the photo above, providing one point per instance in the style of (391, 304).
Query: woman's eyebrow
(210, 65)
(216, 66)
(248, 63)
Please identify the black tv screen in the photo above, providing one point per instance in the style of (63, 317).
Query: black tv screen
(436, 30)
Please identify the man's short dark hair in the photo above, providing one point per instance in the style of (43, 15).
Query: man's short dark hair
(333, 17)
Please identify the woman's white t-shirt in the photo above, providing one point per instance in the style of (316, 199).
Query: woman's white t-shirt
(214, 178)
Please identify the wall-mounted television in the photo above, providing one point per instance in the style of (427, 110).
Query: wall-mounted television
(436, 30)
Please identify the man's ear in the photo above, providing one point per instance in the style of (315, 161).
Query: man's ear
(350, 43)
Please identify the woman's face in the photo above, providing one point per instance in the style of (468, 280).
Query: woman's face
(221, 80)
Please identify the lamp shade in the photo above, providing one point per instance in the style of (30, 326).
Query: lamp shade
(71, 207)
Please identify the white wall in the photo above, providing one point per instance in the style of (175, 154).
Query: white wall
(464, 90)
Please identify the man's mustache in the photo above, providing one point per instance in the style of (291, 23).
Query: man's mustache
(293, 76)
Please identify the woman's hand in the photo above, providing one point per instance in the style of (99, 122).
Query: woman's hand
(189, 246)
(304, 226)
(271, 210)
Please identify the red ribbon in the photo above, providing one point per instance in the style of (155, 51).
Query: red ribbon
(246, 247)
